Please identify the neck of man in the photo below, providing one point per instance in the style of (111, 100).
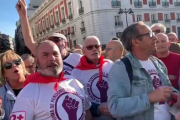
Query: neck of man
(94, 61)
(64, 54)
(163, 54)
(55, 76)
(141, 55)
(18, 84)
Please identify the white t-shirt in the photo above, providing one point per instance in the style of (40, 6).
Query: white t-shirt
(71, 62)
(161, 110)
(39, 101)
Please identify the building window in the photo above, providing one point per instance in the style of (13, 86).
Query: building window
(74, 42)
(153, 17)
(80, 4)
(82, 27)
(118, 21)
(178, 15)
(117, 18)
(63, 15)
(168, 30)
(47, 22)
(65, 32)
(57, 16)
(166, 16)
(72, 30)
(52, 20)
(139, 18)
(70, 8)
(43, 25)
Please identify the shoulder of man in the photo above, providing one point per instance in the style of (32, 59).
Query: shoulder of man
(73, 79)
(75, 55)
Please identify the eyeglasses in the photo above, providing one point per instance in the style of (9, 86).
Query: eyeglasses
(90, 47)
(107, 49)
(56, 39)
(9, 65)
(151, 34)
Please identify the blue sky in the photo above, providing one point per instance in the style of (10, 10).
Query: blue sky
(8, 16)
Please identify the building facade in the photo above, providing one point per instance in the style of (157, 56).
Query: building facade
(6, 43)
(78, 19)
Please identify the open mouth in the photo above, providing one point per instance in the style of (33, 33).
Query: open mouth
(16, 71)
(52, 65)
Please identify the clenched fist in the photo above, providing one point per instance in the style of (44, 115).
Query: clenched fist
(21, 8)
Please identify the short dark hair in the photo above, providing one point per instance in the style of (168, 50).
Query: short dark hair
(115, 38)
(128, 34)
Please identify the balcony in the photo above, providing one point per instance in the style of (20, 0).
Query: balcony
(152, 4)
(64, 20)
(81, 10)
(70, 17)
(167, 20)
(178, 19)
(165, 4)
(83, 29)
(154, 21)
(72, 33)
(119, 23)
(177, 4)
(137, 4)
(116, 3)
(52, 26)
(57, 23)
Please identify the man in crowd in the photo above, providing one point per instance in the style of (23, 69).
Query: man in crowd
(79, 46)
(29, 63)
(114, 50)
(70, 60)
(138, 84)
(49, 94)
(174, 47)
(171, 60)
(172, 37)
(92, 72)
(158, 28)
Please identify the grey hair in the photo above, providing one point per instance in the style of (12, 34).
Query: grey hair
(128, 34)
(91, 37)
(160, 25)
(27, 56)
(172, 33)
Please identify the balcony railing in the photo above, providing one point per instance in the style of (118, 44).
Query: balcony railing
(176, 3)
(119, 23)
(83, 29)
(137, 3)
(81, 10)
(64, 20)
(154, 21)
(152, 4)
(115, 3)
(165, 4)
(70, 17)
(178, 19)
(167, 20)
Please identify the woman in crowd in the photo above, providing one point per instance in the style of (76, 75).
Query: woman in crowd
(13, 73)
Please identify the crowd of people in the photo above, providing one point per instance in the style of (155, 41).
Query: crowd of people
(136, 77)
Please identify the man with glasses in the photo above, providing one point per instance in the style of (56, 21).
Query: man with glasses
(70, 60)
(158, 28)
(138, 84)
(29, 62)
(114, 50)
(92, 72)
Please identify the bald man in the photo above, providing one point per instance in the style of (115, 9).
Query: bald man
(48, 94)
(114, 50)
(170, 59)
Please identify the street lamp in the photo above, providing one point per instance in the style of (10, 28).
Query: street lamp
(129, 11)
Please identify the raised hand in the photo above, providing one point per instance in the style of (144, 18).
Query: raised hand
(70, 106)
(21, 8)
(102, 87)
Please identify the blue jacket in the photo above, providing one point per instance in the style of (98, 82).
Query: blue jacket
(129, 101)
(8, 100)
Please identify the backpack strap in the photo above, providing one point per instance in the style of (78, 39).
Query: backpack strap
(128, 66)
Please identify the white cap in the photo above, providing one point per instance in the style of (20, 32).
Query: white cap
(58, 35)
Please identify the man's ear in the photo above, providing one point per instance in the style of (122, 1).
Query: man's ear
(135, 42)
(83, 50)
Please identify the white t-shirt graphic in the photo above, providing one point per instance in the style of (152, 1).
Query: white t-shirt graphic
(71, 62)
(161, 110)
(38, 101)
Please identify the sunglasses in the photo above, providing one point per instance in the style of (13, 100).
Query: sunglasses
(151, 34)
(56, 39)
(9, 65)
(90, 47)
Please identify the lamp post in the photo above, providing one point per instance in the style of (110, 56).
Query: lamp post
(126, 11)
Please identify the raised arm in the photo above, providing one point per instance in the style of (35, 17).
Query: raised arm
(27, 34)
